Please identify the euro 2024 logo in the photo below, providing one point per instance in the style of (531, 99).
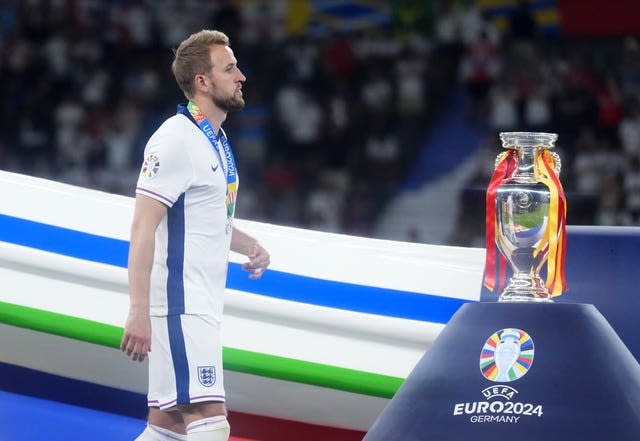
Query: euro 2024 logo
(506, 356)
(150, 166)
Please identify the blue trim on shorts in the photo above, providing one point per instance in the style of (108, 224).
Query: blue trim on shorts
(179, 357)
(175, 257)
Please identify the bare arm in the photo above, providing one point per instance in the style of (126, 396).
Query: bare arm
(259, 258)
(136, 341)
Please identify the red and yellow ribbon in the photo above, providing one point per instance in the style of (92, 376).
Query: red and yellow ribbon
(554, 239)
(555, 235)
(506, 165)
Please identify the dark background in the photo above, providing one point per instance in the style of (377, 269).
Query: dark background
(343, 101)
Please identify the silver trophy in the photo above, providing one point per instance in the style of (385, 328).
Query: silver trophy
(522, 214)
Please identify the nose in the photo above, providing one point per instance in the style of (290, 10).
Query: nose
(242, 78)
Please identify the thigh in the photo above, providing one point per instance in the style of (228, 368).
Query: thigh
(199, 411)
(170, 420)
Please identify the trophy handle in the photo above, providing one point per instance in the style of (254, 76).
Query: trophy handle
(498, 158)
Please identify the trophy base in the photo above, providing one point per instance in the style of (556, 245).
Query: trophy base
(526, 297)
(526, 289)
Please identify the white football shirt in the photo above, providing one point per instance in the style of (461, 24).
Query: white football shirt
(182, 171)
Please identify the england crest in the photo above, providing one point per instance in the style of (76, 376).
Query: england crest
(207, 375)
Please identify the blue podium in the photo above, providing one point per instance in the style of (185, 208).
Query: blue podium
(521, 372)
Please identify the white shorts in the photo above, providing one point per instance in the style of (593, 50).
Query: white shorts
(185, 362)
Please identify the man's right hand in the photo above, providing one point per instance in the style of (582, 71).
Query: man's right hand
(136, 341)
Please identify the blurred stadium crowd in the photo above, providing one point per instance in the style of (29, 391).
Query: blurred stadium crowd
(333, 120)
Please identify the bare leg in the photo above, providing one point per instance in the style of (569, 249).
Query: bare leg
(170, 420)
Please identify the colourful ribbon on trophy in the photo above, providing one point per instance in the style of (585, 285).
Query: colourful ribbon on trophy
(555, 236)
(506, 164)
(554, 239)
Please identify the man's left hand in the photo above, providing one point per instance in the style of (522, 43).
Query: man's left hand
(259, 260)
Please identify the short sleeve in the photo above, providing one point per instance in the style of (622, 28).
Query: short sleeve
(166, 170)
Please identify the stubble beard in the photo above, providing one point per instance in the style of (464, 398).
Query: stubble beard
(229, 104)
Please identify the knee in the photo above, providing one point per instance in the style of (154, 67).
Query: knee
(209, 429)
(170, 420)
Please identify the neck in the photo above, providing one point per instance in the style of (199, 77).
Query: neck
(214, 114)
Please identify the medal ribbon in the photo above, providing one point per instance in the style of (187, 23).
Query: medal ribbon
(230, 172)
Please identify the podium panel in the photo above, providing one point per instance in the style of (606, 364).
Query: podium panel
(514, 371)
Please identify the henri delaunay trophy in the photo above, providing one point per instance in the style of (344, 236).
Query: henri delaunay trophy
(526, 218)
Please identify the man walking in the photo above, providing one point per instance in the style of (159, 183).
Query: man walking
(181, 235)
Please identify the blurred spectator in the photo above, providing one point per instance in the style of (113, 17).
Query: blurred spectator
(537, 109)
(69, 117)
(574, 106)
(302, 55)
(122, 133)
(629, 130)
(338, 57)
(410, 77)
(324, 206)
(632, 192)
(338, 129)
(588, 163)
(503, 110)
(609, 98)
(611, 209)
(448, 24)
(473, 27)
(382, 153)
(478, 69)
(301, 118)
(377, 91)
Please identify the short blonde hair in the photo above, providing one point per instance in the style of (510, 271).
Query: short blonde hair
(192, 58)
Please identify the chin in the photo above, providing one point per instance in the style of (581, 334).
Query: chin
(230, 105)
(235, 105)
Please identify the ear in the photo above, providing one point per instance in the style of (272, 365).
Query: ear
(200, 82)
